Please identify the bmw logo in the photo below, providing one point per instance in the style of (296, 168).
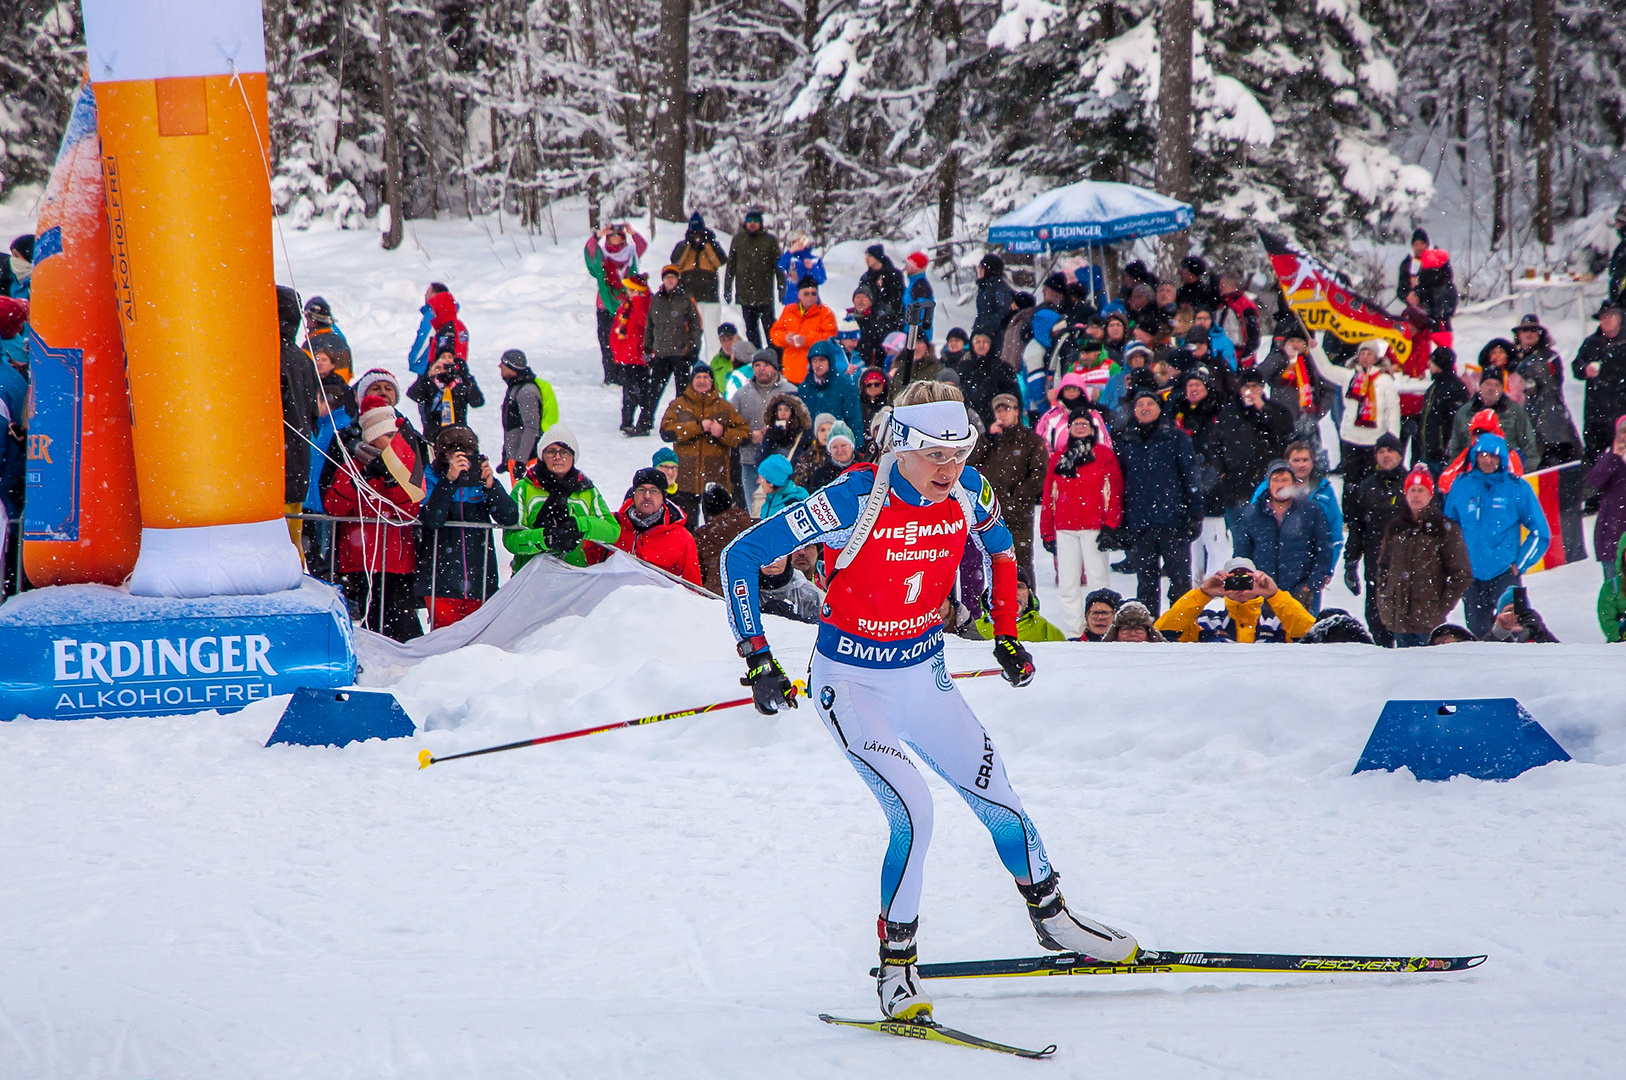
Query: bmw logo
(827, 697)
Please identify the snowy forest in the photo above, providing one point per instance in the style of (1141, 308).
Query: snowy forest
(1341, 120)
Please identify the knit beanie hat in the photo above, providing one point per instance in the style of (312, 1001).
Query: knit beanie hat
(1420, 476)
(651, 476)
(875, 251)
(916, 261)
(560, 434)
(377, 418)
(768, 356)
(957, 332)
(369, 379)
(776, 469)
(663, 456)
(840, 430)
(823, 418)
(716, 500)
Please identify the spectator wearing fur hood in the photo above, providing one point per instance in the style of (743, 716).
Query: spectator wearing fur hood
(1133, 623)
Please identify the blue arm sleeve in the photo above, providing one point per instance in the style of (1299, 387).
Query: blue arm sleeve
(1535, 542)
(989, 528)
(826, 517)
(1043, 323)
(816, 271)
(1335, 520)
(1325, 559)
(418, 355)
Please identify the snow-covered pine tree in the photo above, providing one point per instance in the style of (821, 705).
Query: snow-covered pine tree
(42, 53)
(1290, 103)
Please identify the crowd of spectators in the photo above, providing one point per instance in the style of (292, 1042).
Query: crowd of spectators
(1163, 422)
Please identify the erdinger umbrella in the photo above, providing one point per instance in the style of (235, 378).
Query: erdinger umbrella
(1086, 214)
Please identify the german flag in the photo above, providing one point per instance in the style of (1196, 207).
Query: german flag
(1557, 489)
(1323, 300)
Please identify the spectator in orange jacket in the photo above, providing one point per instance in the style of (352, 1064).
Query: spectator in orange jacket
(655, 530)
(800, 327)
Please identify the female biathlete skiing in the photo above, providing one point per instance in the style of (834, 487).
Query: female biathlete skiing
(894, 535)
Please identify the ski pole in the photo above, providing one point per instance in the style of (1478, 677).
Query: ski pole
(426, 758)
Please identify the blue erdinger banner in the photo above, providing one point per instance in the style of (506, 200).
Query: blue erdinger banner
(87, 650)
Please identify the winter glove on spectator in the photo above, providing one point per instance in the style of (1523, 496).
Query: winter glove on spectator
(1049, 543)
(1108, 540)
(1352, 579)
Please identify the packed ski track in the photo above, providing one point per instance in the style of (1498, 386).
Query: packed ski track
(683, 900)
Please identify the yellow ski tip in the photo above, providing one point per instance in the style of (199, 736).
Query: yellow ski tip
(425, 759)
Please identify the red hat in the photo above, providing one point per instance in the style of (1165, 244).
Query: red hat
(1433, 259)
(917, 260)
(872, 375)
(1419, 477)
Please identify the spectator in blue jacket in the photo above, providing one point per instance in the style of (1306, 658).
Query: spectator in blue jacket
(1163, 503)
(917, 292)
(1285, 532)
(1301, 458)
(1493, 506)
(826, 391)
(798, 263)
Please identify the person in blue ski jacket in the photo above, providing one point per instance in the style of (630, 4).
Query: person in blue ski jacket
(1300, 456)
(1043, 328)
(798, 263)
(917, 292)
(894, 535)
(1502, 525)
(827, 389)
(1219, 342)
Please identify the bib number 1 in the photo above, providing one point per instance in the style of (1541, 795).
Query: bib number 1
(912, 586)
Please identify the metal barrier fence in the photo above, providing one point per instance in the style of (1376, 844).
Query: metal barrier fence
(418, 528)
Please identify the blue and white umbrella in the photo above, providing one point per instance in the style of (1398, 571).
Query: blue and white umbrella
(1087, 214)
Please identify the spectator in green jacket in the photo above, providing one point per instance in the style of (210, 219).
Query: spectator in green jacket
(558, 506)
(1030, 625)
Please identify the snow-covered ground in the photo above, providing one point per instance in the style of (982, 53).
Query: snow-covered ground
(681, 900)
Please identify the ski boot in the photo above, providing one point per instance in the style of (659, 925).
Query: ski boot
(1062, 931)
(898, 984)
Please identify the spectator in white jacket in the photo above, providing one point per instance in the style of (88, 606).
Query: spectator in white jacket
(1372, 389)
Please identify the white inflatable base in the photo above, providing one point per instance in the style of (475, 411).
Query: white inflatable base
(252, 559)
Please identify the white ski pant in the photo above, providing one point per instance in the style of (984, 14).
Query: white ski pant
(873, 713)
(710, 317)
(1211, 550)
(1078, 559)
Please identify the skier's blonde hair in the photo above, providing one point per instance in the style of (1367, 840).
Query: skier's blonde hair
(922, 393)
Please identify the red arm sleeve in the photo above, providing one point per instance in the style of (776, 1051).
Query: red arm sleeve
(1004, 594)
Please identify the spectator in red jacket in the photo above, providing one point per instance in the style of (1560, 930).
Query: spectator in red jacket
(1083, 494)
(382, 483)
(655, 530)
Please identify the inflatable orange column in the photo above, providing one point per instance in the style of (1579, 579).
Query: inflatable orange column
(180, 92)
(83, 520)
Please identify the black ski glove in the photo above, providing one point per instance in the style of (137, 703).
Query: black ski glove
(770, 687)
(1108, 540)
(1049, 545)
(1015, 663)
(1352, 579)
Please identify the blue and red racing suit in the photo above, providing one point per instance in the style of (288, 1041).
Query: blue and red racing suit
(878, 677)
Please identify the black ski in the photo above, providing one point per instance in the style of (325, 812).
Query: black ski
(931, 1031)
(1149, 962)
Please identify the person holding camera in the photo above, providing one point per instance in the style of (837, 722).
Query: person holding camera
(1255, 610)
(382, 483)
(1517, 621)
(459, 571)
(445, 393)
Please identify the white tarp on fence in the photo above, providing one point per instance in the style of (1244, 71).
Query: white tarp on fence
(543, 590)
